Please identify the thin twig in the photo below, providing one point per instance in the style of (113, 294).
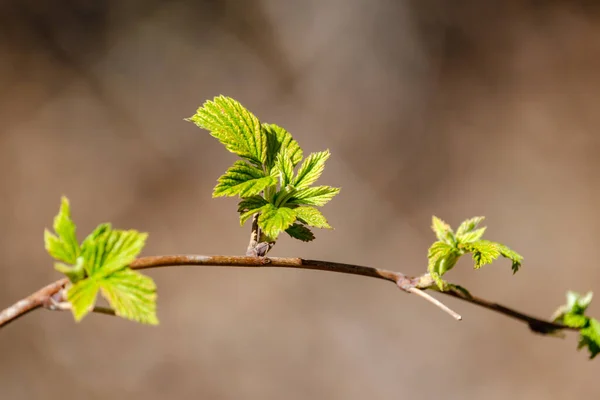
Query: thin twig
(42, 297)
(436, 302)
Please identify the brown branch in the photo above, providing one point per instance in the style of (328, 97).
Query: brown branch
(47, 296)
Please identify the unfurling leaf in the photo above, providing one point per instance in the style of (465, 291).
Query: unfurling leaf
(235, 127)
(63, 246)
(243, 180)
(468, 225)
(573, 315)
(442, 230)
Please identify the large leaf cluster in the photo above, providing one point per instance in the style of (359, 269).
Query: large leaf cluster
(272, 179)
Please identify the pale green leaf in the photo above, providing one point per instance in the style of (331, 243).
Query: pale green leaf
(112, 250)
(468, 225)
(442, 230)
(300, 232)
(483, 251)
(314, 196)
(235, 127)
(63, 246)
(82, 296)
(132, 295)
(311, 169)
(285, 168)
(311, 217)
(274, 220)
(442, 258)
(471, 236)
(243, 180)
(280, 141)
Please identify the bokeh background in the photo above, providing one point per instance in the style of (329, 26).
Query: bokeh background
(429, 107)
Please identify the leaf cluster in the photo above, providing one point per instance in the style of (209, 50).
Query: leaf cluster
(572, 314)
(100, 264)
(272, 179)
(450, 246)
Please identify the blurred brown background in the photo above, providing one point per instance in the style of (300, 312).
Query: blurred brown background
(455, 109)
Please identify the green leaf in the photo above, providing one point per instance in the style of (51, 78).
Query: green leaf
(512, 255)
(112, 250)
(442, 258)
(442, 230)
(243, 180)
(235, 127)
(132, 295)
(246, 215)
(471, 236)
(300, 232)
(285, 167)
(250, 206)
(311, 217)
(590, 337)
(484, 252)
(273, 220)
(63, 246)
(468, 225)
(314, 196)
(280, 141)
(251, 203)
(311, 169)
(82, 296)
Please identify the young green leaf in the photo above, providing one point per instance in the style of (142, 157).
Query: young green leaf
(111, 251)
(235, 127)
(311, 169)
(313, 196)
(243, 180)
(311, 217)
(300, 232)
(484, 252)
(82, 296)
(251, 203)
(471, 236)
(442, 258)
(468, 225)
(280, 141)
(285, 167)
(132, 295)
(442, 230)
(245, 216)
(273, 220)
(63, 246)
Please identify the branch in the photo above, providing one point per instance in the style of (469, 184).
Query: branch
(48, 295)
